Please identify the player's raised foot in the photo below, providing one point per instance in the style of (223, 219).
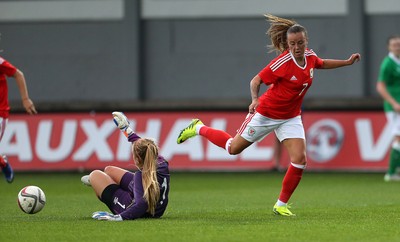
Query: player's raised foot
(390, 178)
(122, 122)
(8, 171)
(189, 131)
(283, 210)
(85, 180)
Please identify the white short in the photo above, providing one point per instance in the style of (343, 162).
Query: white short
(394, 121)
(3, 124)
(256, 127)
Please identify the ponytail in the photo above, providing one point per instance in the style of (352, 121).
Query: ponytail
(146, 151)
(278, 32)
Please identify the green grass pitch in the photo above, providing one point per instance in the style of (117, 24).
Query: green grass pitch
(213, 207)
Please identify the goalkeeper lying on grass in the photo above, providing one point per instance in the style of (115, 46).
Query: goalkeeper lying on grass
(143, 194)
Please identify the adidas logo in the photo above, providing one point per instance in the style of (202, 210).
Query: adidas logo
(293, 78)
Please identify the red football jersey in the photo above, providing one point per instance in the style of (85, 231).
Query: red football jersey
(6, 69)
(289, 83)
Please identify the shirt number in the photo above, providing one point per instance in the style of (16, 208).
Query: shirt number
(305, 85)
(164, 185)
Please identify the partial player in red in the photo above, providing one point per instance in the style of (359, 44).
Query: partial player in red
(8, 70)
(277, 154)
(288, 76)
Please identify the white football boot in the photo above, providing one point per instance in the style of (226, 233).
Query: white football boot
(85, 180)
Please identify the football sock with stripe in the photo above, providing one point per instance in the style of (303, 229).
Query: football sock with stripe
(215, 136)
(290, 181)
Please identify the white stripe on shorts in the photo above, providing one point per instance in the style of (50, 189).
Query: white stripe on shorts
(257, 126)
(246, 121)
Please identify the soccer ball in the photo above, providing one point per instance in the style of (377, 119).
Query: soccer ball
(31, 199)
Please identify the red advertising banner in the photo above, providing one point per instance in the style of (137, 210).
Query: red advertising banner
(354, 141)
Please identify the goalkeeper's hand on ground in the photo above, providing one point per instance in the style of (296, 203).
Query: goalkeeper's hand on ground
(122, 122)
(106, 216)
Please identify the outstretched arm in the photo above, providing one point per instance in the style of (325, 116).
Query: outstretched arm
(23, 90)
(331, 63)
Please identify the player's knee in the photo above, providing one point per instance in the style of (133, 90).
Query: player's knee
(108, 169)
(233, 150)
(94, 174)
(300, 159)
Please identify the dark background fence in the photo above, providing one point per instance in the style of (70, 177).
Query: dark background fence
(161, 55)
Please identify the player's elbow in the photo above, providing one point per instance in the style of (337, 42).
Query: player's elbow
(18, 74)
(380, 87)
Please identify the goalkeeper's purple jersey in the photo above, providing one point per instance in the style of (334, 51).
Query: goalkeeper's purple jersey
(138, 209)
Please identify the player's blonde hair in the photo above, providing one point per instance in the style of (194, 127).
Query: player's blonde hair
(145, 152)
(278, 30)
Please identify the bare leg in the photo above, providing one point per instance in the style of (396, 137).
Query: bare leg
(99, 181)
(238, 144)
(115, 173)
(277, 153)
(297, 150)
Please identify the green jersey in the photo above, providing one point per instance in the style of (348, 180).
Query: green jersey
(389, 73)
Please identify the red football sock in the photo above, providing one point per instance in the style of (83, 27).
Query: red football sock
(215, 136)
(290, 182)
(2, 162)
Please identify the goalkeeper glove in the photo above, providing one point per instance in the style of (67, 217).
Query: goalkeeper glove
(122, 123)
(106, 216)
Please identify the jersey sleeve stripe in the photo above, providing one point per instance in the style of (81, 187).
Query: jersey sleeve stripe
(310, 52)
(280, 60)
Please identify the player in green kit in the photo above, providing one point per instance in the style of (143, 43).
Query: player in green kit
(388, 87)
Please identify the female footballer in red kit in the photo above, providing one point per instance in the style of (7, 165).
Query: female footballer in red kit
(289, 76)
(8, 70)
